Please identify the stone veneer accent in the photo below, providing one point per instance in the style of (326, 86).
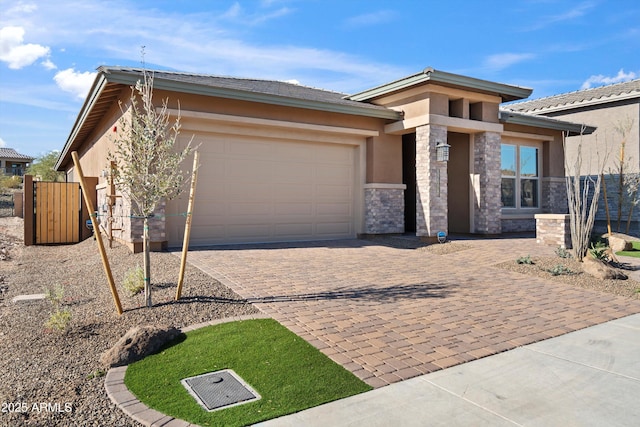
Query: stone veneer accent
(486, 168)
(384, 208)
(129, 230)
(553, 230)
(517, 225)
(431, 182)
(554, 195)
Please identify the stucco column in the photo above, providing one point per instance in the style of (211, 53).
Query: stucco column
(486, 183)
(431, 182)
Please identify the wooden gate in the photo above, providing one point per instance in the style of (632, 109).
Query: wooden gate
(57, 212)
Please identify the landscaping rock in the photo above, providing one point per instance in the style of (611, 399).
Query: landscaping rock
(138, 343)
(601, 269)
(619, 242)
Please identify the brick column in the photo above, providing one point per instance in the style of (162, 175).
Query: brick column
(486, 166)
(431, 182)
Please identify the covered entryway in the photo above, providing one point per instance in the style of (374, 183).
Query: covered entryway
(459, 185)
(253, 189)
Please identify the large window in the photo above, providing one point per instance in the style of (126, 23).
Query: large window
(520, 176)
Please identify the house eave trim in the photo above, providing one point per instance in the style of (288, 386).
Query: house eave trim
(186, 87)
(97, 88)
(572, 129)
(507, 92)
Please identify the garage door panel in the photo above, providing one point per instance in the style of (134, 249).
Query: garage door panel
(250, 209)
(283, 172)
(290, 209)
(295, 152)
(250, 231)
(264, 191)
(242, 191)
(333, 174)
(333, 192)
(333, 229)
(293, 230)
(332, 209)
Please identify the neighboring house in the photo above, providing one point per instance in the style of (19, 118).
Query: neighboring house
(12, 162)
(611, 109)
(284, 162)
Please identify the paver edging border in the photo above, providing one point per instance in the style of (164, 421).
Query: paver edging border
(130, 405)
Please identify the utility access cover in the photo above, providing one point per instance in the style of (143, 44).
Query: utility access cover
(219, 390)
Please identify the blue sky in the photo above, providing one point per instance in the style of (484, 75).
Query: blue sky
(49, 50)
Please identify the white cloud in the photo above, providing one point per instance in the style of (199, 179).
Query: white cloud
(577, 12)
(2, 143)
(369, 19)
(500, 61)
(48, 64)
(74, 82)
(600, 80)
(17, 54)
(23, 8)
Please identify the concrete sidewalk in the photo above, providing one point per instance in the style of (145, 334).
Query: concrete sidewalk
(586, 378)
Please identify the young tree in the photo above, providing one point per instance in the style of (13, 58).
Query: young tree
(582, 197)
(43, 167)
(620, 177)
(147, 163)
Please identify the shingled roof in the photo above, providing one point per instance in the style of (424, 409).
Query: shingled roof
(10, 153)
(579, 98)
(272, 88)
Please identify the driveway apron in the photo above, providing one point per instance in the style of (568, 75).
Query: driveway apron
(389, 314)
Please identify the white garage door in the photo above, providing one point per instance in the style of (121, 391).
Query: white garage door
(253, 190)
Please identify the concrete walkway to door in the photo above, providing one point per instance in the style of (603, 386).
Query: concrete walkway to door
(390, 314)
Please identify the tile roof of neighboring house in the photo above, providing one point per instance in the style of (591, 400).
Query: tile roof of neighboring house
(10, 153)
(579, 98)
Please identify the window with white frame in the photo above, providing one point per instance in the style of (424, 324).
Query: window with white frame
(520, 166)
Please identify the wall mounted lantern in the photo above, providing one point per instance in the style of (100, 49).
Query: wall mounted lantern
(442, 151)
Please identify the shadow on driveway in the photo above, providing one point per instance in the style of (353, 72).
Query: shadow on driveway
(382, 295)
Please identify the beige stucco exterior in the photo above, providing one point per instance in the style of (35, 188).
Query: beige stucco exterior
(605, 142)
(276, 170)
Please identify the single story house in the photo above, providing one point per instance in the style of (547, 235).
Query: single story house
(286, 162)
(13, 163)
(614, 109)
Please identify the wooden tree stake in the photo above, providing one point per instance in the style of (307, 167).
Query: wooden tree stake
(97, 234)
(187, 226)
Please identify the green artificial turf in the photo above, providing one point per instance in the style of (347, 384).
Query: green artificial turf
(635, 252)
(289, 373)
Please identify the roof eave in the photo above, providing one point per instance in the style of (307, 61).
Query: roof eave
(107, 75)
(506, 92)
(94, 93)
(572, 129)
(115, 76)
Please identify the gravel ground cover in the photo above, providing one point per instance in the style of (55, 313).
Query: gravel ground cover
(51, 378)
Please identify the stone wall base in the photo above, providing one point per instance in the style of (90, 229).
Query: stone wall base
(518, 225)
(553, 230)
(384, 208)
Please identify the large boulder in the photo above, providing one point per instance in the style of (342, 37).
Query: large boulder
(619, 242)
(601, 269)
(138, 343)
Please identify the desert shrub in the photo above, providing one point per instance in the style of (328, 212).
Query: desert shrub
(13, 182)
(560, 270)
(599, 251)
(133, 281)
(525, 260)
(563, 252)
(60, 317)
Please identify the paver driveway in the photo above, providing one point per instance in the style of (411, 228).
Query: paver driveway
(389, 314)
